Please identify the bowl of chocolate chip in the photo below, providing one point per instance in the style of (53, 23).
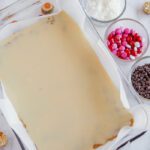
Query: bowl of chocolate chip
(140, 77)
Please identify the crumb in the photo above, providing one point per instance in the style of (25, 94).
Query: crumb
(3, 139)
(95, 146)
(51, 20)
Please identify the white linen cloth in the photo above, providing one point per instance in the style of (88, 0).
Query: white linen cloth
(141, 119)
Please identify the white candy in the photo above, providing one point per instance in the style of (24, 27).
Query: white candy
(135, 49)
(137, 44)
(128, 46)
(132, 57)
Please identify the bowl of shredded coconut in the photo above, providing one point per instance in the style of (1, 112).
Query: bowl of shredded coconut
(104, 11)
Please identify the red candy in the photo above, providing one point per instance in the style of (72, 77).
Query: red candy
(112, 41)
(139, 51)
(119, 53)
(125, 43)
(110, 36)
(129, 38)
(139, 39)
(133, 53)
(128, 52)
(131, 43)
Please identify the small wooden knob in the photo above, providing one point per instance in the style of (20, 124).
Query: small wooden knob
(47, 8)
(147, 7)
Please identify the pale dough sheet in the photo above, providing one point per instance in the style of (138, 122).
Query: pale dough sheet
(59, 88)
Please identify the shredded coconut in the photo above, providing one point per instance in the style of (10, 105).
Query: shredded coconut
(104, 9)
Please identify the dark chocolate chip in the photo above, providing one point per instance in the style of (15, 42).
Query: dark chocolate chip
(141, 80)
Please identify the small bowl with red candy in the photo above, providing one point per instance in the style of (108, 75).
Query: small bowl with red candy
(127, 39)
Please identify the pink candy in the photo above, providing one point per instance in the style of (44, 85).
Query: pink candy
(115, 51)
(118, 31)
(125, 35)
(118, 36)
(124, 55)
(112, 33)
(125, 43)
(114, 46)
(121, 48)
(127, 30)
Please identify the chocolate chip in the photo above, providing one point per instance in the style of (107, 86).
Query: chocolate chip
(141, 80)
